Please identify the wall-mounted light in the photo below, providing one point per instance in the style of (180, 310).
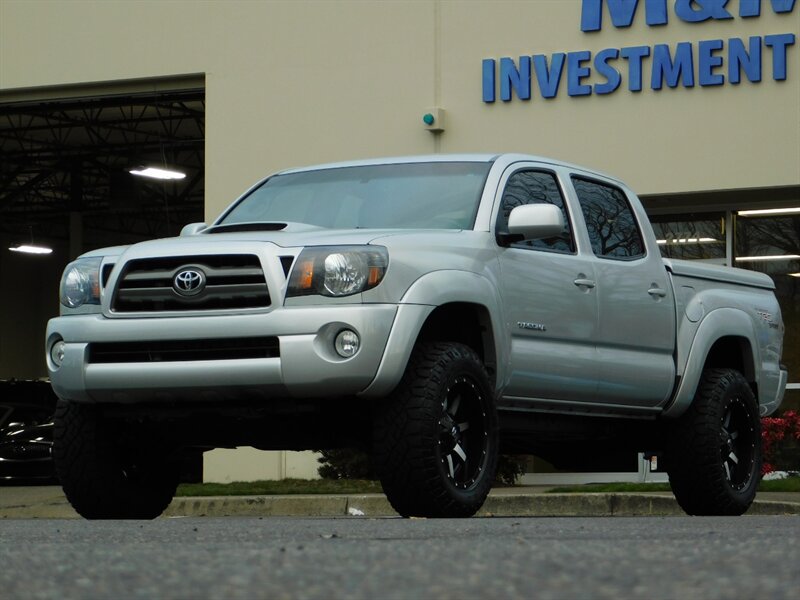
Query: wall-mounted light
(793, 274)
(433, 119)
(155, 173)
(769, 211)
(30, 249)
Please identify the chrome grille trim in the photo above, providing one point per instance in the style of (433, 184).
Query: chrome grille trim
(233, 281)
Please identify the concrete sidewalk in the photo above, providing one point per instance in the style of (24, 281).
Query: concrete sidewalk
(48, 502)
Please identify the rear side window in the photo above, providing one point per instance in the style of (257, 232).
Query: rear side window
(610, 221)
(535, 187)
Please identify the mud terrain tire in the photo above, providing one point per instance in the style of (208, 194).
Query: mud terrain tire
(714, 462)
(100, 479)
(436, 437)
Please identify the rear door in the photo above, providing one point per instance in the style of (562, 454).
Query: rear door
(635, 337)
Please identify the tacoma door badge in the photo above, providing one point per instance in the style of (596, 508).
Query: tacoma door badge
(531, 326)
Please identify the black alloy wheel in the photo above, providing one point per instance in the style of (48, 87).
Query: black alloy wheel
(737, 444)
(464, 435)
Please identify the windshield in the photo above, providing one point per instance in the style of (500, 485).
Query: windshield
(435, 195)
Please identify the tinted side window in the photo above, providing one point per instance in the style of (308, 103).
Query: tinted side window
(535, 187)
(612, 226)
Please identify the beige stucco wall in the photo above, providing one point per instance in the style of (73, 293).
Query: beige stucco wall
(287, 83)
(297, 82)
(292, 83)
(249, 464)
(671, 140)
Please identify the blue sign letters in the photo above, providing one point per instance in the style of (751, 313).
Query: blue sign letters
(692, 11)
(605, 72)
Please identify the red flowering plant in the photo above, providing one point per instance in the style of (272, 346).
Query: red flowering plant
(780, 442)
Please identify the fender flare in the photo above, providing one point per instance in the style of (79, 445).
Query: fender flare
(430, 291)
(719, 323)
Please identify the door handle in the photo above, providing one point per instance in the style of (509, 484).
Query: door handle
(657, 291)
(584, 283)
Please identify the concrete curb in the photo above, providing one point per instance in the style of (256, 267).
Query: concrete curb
(376, 505)
(507, 505)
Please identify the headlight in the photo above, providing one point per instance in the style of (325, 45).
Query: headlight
(80, 283)
(337, 270)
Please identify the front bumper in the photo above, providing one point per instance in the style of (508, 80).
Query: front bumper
(307, 365)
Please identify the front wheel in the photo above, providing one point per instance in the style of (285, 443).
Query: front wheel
(714, 461)
(104, 478)
(436, 440)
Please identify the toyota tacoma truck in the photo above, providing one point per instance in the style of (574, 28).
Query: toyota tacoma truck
(436, 311)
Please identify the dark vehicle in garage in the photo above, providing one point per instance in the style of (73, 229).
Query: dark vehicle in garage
(26, 455)
(26, 432)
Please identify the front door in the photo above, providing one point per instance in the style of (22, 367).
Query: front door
(550, 303)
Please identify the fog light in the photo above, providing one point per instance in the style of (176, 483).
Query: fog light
(347, 343)
(57, 353)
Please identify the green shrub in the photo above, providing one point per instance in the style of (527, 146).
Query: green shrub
(509, 469)
(345, 463)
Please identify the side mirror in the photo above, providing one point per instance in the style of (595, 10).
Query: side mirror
(536, 221)
(193, 229)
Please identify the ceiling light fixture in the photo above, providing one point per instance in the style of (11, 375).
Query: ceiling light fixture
(773, 257)
(155, 173)
(30, 249)
(703, 240)
(769, 211)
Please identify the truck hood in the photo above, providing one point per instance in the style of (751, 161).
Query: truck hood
(294, 235)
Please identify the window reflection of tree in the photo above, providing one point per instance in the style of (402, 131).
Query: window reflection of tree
(535, 187)
(772, 236)
(768, 236)
(612, 227)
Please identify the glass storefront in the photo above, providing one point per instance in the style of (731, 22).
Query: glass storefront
(692, 237)
(769, 241)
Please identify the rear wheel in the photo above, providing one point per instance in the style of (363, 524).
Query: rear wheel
(714, 462)
(104, 478)
(436, 441)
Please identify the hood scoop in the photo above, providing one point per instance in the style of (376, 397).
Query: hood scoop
(235, 227)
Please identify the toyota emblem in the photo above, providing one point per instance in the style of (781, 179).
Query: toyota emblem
(189, 282)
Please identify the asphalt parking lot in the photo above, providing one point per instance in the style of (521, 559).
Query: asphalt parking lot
(353, 558)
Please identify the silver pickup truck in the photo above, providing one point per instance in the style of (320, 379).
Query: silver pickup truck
(436, 311)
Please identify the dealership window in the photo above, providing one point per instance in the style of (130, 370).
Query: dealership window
(769, 242)
(692, 237)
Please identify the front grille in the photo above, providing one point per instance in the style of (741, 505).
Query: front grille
(230, 282)
(183, 350)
